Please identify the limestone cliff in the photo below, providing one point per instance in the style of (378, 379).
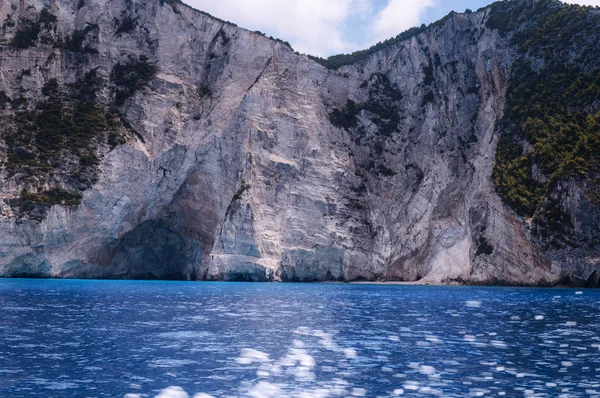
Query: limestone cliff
(151, 140)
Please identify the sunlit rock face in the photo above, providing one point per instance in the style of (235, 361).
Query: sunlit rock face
(238, 159)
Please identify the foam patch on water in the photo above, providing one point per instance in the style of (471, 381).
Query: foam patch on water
(427, 370)
(265, 389)
(249, 356)
(350, 353)
(60, 385)
(184, 335)
(173, 392)
(170, 363)
(293, 374)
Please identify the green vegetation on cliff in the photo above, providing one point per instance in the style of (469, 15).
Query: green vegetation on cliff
(130, 77)
(557, 33)
(77, 41)
(382, 107)
(551, 126)
(27, 35)
(55, 142)
(29, 31)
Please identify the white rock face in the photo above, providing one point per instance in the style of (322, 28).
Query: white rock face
(247, 179)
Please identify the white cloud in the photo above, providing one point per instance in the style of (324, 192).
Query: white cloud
(316, 26)
(312, 26)
(362, 8)
(398, 16)
(584, 2)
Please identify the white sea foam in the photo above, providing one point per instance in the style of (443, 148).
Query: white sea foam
(300, 365)
(173, 392)
(250, 355)
(170, 363)
(411, 385)
(426, 370)
(473, 304)
(184, 335)
(326, 340)
(60, 385)
(264, 389)
(499, 344)
(350, 353)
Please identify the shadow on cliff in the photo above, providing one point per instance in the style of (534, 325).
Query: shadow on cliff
(151, 251)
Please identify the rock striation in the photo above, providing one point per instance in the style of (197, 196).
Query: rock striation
(151, 140)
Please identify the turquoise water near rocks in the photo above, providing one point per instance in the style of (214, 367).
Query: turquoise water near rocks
(69, 338)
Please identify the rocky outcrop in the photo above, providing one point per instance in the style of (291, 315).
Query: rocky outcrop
(223, 155)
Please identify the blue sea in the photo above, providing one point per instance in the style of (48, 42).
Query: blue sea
(70, 338)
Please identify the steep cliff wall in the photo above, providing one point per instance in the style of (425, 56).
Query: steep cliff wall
(149, 140)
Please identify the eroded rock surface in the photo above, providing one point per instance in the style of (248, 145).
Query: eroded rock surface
(234, 158)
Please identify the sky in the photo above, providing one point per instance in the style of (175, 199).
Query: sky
(328, 27)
